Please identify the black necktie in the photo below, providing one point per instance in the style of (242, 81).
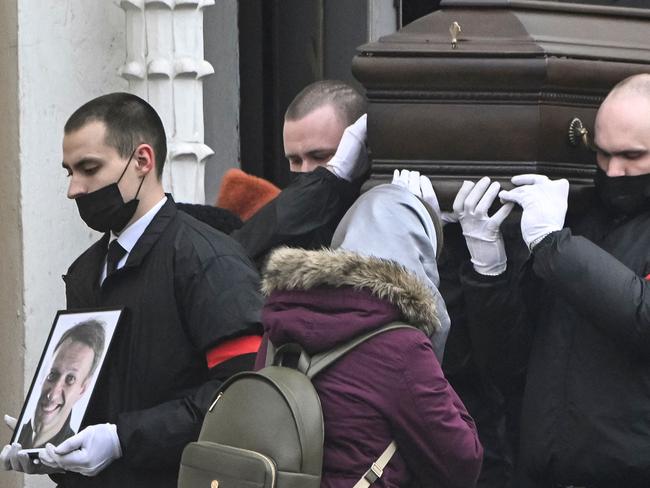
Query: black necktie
(113, 256)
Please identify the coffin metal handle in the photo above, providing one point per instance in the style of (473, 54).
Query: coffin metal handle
(578, 133)
(454, 30)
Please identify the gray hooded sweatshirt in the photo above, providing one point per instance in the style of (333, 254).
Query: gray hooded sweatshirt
(389, 222)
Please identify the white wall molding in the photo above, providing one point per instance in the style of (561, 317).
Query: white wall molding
(165, 65)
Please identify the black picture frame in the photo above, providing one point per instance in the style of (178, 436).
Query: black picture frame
(67, 372)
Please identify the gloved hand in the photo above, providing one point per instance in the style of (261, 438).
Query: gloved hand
(10, 421)
(13, 457)
(482, 232)
(421, 186)
(351, 158)
(544, 204)
(10, 451)
(417, 184)
(88, 452)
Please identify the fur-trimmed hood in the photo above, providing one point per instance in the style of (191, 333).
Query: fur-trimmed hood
(301, 270)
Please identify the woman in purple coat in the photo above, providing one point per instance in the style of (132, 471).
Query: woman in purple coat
(390, 387)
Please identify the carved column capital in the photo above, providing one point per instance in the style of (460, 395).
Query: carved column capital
(165, 65)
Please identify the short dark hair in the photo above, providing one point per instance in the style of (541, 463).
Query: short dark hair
(347, 102)
(129, 121)
(89, 332)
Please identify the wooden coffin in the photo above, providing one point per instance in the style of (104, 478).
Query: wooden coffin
(498, 99)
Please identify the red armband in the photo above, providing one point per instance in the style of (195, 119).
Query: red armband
(231, 348)
(647, 278)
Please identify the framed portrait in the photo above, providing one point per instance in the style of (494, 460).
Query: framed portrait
(67, 372)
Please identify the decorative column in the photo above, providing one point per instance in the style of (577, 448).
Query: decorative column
(165, 66)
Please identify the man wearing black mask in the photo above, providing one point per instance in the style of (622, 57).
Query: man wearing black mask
(190, 296)
(587, 311)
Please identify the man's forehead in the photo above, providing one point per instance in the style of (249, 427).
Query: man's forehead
(71, 348)
(91, 133)
(321, 124)
(88, 142)
(325, 113)
(624, 112)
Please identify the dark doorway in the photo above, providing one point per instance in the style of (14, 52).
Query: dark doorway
(283, 46)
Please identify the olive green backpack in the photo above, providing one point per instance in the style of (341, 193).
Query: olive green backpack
(265, 428)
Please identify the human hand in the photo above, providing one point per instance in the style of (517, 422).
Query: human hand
(420, 186)
(351, 158)
(482, 232)
(10, 421)
(88, 452)
(544, 204)
(14, 458)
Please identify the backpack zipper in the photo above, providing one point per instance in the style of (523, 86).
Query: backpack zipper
(270, 464)
(267, 460)
(215, 401)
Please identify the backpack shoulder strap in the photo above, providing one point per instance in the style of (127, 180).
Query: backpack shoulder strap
(377, 469)
(321, 361)
(270, 352)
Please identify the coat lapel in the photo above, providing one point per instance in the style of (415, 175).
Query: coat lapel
(151, 234)
(83, 287)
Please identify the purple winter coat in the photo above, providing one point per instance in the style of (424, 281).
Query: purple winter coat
(390, 387)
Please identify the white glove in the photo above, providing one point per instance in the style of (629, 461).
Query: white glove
(544, 204)
(10, 421)
(8, 456)
(88, 452)
(351, 158)
(14, 458)
(482, 232)
(421, 186)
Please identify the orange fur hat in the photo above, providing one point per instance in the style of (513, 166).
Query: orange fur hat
(244, 194)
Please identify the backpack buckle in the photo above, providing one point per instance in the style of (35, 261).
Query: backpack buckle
(373, 474)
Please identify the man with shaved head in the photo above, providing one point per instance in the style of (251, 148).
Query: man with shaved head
(585, 307)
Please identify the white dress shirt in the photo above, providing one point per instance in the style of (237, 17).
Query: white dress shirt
(129, 236)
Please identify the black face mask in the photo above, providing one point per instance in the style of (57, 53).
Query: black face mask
(625, 195)
(105, 209)
(294, 175)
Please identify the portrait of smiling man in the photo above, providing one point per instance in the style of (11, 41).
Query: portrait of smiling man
(73, 365)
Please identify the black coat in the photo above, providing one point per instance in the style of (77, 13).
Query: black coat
(479, 361)
(185, 287)
(305, 215)
(586, 410)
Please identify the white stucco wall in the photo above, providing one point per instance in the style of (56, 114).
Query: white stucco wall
(11, 297)
(67, 53)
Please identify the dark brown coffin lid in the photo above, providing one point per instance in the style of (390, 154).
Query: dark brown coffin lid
(519, 28)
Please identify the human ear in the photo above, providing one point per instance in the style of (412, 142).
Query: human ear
(145, 159)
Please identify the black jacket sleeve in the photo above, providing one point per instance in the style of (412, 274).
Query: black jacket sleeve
(499, 323)
(491, 331)
(305, 214)
(598, 285)
(218, 300)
